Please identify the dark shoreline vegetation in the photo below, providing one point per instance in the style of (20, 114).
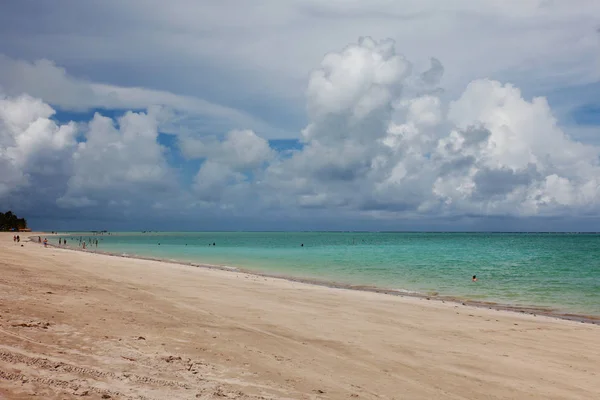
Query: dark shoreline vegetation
(10, 222)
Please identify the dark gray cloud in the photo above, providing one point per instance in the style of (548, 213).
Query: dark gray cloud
(434, 74)
(457, 165)
(475, 135)
(500, 182)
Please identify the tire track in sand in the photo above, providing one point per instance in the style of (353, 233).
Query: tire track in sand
(60, 366)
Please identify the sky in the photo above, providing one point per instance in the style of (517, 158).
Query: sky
(462, 115)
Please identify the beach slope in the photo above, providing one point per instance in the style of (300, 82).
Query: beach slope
(81, 325)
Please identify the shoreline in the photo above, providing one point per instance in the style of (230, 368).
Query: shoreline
(80, 324)
(527, 309)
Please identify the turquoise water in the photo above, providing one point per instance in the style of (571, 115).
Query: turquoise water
(561, 271)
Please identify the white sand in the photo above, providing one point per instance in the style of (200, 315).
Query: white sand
(74, 324)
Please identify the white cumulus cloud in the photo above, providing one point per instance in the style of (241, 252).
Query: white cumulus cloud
(120, 161)
(101, 163)
(490, 152)
(34, 149)
(382, 140)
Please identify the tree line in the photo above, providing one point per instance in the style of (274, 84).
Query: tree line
(9, 221)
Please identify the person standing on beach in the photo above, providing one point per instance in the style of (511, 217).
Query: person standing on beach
(18, 239)
(45, 242)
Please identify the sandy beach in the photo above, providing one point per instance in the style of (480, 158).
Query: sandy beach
(82, 325)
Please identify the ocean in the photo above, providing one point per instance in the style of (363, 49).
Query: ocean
(559, 271)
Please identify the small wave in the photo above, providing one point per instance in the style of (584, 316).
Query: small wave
(229, 268)
(406, 291)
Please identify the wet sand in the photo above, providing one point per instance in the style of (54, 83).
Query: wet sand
(79, 324)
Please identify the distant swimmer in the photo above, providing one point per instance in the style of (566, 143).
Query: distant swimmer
(214, 244)
(474, 278)
(302, 245)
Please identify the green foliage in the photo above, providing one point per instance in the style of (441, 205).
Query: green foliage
(9, 221)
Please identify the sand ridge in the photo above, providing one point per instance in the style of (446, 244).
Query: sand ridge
(82, 325)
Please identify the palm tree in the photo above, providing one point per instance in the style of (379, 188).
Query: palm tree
(9, 221)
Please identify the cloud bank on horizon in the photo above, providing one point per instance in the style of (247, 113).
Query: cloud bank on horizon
(384, 141)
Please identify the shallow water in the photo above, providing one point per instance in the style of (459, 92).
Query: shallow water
(556, 270)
